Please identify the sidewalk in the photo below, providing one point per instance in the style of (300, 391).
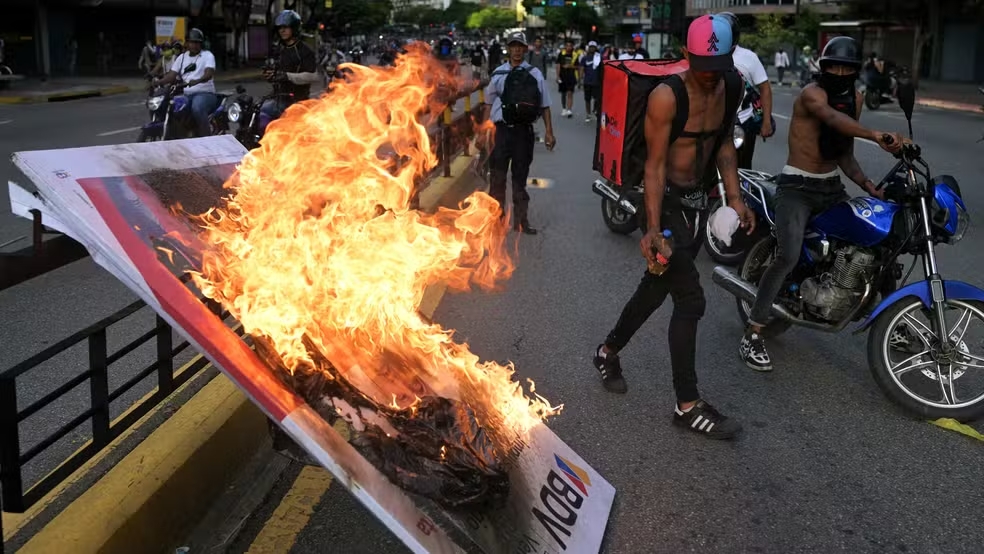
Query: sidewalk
(938, 94)
(31, 90)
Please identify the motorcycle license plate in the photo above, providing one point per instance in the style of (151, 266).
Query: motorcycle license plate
(695, 199)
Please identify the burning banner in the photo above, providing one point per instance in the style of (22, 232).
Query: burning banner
(312, 244)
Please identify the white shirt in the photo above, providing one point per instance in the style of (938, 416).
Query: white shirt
(782, 60)
(750, 66)
(202, 61)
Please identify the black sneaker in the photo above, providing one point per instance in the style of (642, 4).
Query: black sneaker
(610, 368)
(707, 421)
(753, 353)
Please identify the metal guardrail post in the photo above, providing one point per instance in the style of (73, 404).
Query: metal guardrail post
(10, 476)
(446, 142)
(165, 357)
(99, 388)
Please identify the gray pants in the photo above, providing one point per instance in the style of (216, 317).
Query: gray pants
(799, 199)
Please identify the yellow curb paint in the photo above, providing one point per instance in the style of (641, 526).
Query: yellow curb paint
(280, 532)
(12, 523)
(161, 488)
(954, 425)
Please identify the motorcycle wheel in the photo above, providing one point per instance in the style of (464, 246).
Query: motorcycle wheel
(617, 219)
(759, 257)
(904, 381)
(725, 255)
(145, 137)
(872, 99)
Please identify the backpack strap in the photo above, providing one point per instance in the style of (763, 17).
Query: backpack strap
(733, 85)
(675, 82)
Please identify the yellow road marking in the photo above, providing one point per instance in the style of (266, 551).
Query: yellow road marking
(281, 530)
(954, 425)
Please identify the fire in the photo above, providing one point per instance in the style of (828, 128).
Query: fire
(318, 246)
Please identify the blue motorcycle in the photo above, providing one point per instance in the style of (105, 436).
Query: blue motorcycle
(170, 115)
(919, 351)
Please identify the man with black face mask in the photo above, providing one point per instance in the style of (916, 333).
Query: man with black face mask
(821, 140)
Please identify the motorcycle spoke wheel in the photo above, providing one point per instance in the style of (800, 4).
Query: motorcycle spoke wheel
(934, 372)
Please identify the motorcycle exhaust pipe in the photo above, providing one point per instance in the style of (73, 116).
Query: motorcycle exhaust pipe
(603, 189)
(747, 292)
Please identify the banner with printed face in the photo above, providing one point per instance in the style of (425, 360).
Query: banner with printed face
(118, 201)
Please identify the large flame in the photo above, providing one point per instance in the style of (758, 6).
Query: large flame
(318, 244)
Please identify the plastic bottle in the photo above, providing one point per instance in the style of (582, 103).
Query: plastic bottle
(663, 250)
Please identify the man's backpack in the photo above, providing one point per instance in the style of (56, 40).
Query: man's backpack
(521, 98)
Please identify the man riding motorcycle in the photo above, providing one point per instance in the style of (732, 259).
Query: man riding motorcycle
(196, 68)
(821, 140)
(296, 68)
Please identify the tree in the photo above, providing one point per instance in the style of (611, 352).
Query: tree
(492, 18)
(458, 12)
(570, 19)
(769, 35)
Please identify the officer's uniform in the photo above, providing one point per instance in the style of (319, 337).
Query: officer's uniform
(513, 143)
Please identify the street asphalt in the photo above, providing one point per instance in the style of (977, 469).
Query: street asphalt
(826, 464)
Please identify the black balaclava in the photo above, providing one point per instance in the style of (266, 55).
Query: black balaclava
(842, 97)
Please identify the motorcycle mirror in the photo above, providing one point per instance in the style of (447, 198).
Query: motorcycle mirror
(240, 89)
(906, 94)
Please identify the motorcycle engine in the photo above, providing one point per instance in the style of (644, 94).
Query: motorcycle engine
(831, 295)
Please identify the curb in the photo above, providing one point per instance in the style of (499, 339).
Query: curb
(104, 91)
(65, 96)
(947, 105)
(156, 495)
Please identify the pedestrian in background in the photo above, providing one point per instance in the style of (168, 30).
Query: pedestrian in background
(515, 98)
(590, 64)
(537, 56)
(782, 62)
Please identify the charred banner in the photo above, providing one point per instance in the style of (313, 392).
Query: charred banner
(139, 209)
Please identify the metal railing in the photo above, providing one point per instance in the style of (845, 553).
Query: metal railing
(450, 137)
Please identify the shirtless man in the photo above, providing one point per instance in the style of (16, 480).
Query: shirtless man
(675, 164)
(821, 139)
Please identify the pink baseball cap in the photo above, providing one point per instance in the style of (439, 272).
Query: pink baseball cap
(710, 43)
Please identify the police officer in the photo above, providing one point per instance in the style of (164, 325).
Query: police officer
(514, 139)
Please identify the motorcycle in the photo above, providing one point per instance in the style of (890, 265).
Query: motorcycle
(875, 96)
(916, 349)
(623, 207)
(252, 123)
(171, 118)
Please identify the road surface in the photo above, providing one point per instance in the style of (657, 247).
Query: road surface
(826, 464)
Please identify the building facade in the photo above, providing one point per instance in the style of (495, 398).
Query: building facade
(697, 8)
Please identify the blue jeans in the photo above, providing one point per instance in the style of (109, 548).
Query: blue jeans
(202, 106)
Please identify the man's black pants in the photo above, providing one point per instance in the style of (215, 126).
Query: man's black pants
(681, 281)
(513, 146)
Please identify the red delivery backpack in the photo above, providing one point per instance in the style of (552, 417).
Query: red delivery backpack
(620, 142)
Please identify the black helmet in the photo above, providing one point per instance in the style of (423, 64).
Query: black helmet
(732, 20)
(841, 51)
(288, 18)
(195, 35)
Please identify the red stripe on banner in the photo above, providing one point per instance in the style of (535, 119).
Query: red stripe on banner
(223, 346)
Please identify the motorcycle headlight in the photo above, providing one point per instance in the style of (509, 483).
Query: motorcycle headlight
(154, 103)
(234, 112)
(739, 136)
